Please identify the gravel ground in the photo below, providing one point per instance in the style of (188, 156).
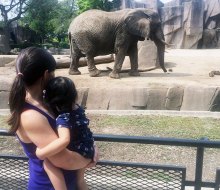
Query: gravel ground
(153, 154)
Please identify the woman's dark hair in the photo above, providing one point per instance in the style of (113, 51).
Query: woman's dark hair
(31, 65)
(60, 95)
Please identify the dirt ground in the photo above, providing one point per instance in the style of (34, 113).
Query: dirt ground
(188, 67)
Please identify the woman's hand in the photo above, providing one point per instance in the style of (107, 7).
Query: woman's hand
(95, 158)
(38, 154)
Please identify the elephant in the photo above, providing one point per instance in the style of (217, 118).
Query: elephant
(209, 39)
(97, 32)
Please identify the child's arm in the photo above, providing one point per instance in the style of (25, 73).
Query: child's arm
(55, 146)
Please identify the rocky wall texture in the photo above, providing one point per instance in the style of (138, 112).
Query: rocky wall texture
(192, 24)
(188, 24)
(179, 98)
(189, 98)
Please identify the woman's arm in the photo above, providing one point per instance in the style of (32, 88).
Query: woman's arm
(55, 146)
(35, 127)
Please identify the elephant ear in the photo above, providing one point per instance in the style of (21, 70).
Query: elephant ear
(138, 23)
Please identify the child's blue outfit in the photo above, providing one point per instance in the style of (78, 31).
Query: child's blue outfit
(81, 136)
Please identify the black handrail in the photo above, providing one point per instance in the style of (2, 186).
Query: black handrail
(204, 142)
(158, 140)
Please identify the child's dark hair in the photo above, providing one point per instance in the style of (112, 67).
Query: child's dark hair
(60, 95)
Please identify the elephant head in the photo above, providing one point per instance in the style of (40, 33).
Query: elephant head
(146, 24)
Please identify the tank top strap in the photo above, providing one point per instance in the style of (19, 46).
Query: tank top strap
(31, 106)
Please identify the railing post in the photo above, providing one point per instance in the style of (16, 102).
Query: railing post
(199, 167)
(217, 179)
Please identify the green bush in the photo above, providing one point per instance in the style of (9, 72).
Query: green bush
(64, 45)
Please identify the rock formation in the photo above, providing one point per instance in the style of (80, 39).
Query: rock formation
(188, 24)
(192, 24)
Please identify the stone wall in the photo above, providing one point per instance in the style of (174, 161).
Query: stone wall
(192, 24)
(20, 34)
(188, 24)
(4, 46)
(179, 98)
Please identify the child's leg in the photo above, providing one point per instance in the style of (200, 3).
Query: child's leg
(81, 182)
(55, 175)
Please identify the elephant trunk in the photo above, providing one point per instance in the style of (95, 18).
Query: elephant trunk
(160, 43)
(160, 53)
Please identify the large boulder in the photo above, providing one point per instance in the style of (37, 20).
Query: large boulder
(147, 56)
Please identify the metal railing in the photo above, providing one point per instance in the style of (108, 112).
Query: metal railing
(166, 177)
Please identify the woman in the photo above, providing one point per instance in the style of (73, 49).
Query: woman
(34, 123)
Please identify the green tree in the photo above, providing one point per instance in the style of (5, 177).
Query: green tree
(39, 17)
(50, 19)
(64, 14)
(106, 5)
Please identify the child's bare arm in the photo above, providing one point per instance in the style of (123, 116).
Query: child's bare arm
(55, 146)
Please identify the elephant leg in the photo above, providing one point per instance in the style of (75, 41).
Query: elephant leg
(119, 59)
(74, 66)
(93, 71)
(75, 56)
(133, 55)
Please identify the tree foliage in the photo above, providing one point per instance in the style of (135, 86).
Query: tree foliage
(13, 7)
(39, 16)
(49, 18)
(64, 14)
(106, 5)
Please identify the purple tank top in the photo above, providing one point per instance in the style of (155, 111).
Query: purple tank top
(38, 179)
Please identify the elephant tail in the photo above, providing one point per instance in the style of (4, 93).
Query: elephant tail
(69, 37)
(70, 43)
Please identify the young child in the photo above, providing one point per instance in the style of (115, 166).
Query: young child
(72, 127)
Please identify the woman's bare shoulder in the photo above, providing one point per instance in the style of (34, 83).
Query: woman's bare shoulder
(32, 117)
(36, 127)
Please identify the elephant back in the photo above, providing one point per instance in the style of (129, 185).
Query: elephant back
(87, 20)
(98, 32)
(97, 21)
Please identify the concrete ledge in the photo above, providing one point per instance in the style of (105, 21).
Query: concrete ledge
(190, 98)
(199, 114)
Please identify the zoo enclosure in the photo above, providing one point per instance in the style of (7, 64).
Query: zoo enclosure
(123, 175)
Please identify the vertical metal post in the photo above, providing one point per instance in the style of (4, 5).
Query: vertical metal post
(199, 166)
(217, 179)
